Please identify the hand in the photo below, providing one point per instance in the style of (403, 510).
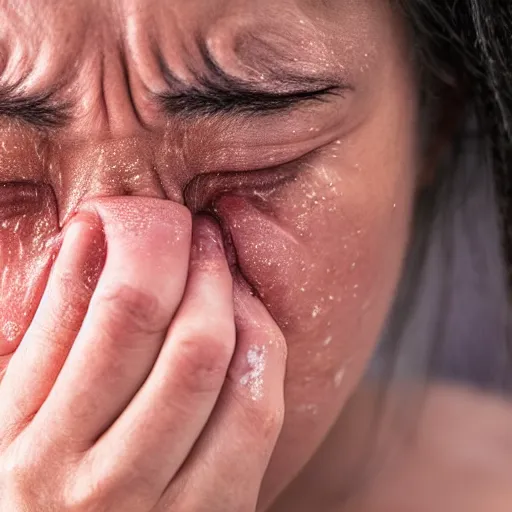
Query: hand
(148, 380)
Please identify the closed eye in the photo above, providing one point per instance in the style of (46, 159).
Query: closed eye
(216, 93)
(210, 100)
(40, 110)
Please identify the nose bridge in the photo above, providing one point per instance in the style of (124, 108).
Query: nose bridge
(107, 151)
(106, 168)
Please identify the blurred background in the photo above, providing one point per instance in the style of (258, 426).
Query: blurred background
(458, 329)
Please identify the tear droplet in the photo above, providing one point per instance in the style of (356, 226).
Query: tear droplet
(10, 330)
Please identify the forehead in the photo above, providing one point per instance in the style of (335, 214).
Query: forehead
(242, 33)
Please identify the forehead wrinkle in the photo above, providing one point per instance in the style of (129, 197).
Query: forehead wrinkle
(44, 41)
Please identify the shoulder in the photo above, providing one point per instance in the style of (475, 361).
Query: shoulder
(429, 449)
(468, 425)
(456, 455)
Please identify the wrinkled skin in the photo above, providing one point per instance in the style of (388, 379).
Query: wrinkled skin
(313, 202)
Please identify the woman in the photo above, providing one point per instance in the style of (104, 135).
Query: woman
(206, 210)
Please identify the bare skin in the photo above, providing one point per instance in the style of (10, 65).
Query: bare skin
(440, 447)
(455, 455)
(192, 288)
(116, 405)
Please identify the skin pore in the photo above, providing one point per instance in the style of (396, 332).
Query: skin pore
(293, 124)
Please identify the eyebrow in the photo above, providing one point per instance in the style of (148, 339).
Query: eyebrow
(213, 93)
(218, 93)
(40, 110)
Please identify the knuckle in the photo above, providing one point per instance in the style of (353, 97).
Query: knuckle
(133, 310)
(62, 316)
(241, 497)
(73, 290)
(203, 360)
(175, 495)
(83, 500)
(65, 318)
(86, 498)
(18, 472)
(83, 493)
(98, 488)
(60, 324)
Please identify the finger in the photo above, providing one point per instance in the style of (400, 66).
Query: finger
(34, 367)
(148, 242)
(28, 232)
(229, 459)
(161, 424)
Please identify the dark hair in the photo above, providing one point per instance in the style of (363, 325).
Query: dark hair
(466, 46)
(463, 53)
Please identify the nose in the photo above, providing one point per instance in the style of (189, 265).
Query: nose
(105, 148)
(120, 167)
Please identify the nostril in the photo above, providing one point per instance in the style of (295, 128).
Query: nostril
(200, 195)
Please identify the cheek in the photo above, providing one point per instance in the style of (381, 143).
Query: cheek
(28, 231)
(351, 211)
(324, 253)
(355, 219)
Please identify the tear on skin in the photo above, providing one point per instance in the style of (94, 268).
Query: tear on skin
(327, 341)
(308, 409)
(11, 330)
(253, 379)
(338, 377)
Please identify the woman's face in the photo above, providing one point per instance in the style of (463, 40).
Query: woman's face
(293, 122)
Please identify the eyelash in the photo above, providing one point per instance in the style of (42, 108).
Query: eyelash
(198, 103)
(215, 92)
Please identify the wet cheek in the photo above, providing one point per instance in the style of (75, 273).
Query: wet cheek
(318, 246)
(28, 234)
(324, 253)
(269, 256)
(356, 230)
